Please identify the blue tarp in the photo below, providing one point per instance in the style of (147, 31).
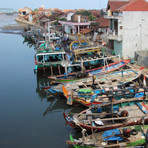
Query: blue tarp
(110, 135)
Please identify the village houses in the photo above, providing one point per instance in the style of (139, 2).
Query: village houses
(128, 31)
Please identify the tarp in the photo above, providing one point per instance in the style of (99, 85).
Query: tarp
(112, 135)
(85, 91)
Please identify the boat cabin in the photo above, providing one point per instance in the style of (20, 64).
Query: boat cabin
(50, 58)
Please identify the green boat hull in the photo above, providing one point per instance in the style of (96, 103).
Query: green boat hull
(139, 142)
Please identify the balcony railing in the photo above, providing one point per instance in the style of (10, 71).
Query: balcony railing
(113, 35)
(113, 16)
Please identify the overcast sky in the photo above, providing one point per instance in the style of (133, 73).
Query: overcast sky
(61, 4)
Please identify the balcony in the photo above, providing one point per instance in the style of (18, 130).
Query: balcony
(113, 35)
(113, 16)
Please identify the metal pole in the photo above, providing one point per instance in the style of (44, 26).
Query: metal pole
(119, 58)
(51, 70)
(66, 69)
(104, 63)
(81, 65)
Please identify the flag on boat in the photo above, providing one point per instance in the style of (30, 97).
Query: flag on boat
(103, 69)
(144, 81)
(90, 75)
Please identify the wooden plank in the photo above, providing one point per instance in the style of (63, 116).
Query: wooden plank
(119, 118)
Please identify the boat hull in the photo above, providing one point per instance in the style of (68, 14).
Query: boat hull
(97, 71)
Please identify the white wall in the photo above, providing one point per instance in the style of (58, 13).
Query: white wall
(79, 18)
(27, 10)
(69, 16)
(135, 32)
(66, 28)
(120, 24)
(30, 18)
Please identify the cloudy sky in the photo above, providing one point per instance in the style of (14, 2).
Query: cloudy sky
(61, 4)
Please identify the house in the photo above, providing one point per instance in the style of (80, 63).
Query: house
(101, 25)
(77, 23)
(41, 19)
(79, 18)
(128, 31)
(56, 14)
(95, 13)
(24, 11)
(69, 15)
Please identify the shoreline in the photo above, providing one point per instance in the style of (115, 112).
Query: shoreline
(12, 29)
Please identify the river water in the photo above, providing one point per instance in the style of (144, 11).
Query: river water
(27, 118)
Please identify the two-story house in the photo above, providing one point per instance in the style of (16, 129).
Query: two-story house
(128, 31)
(78, 22)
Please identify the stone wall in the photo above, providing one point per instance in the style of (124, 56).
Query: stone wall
(142, 58)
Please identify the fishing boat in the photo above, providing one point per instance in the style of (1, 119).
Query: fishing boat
(120, 137)
(82, 52)
(96, 71)
(125, 112)
(49, 59)
(88, 91)
(82, 90)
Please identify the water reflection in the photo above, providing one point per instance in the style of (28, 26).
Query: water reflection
(28, 42)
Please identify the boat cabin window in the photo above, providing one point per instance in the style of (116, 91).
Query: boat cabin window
(40, 58)
(50, 58)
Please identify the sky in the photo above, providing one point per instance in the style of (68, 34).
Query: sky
(61, 4)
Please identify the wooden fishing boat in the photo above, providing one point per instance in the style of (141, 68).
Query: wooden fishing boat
(108, 116)
(49, 59)
(88, 92)
(120, 137)
(96, 71)
(103, 96)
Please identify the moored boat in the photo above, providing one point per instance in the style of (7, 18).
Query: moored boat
(96, 71)
(88, 91)
(108, 116)
(120, 137)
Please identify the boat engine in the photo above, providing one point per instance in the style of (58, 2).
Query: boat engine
(124, 113)
(126, 132)
(79, 75)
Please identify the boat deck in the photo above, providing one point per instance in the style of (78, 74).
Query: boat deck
(106, 81)
(135, 112)
(97, 140)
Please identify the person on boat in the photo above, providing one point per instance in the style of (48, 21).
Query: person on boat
(83, 69)
(93, 84)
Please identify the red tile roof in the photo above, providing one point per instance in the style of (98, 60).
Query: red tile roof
(85, 31)
(114, 5)
(95, 12)
(135, 5)
(103, 22)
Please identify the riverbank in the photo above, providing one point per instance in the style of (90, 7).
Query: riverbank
(9, 25)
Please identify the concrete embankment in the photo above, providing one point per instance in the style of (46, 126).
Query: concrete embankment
(20, 21)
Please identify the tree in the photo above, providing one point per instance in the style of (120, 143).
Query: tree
(62, 19)
(84, 12)
(91, 17)
(36, 10)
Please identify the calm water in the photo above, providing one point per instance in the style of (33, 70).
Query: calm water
(27, 118)
(7, 19)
